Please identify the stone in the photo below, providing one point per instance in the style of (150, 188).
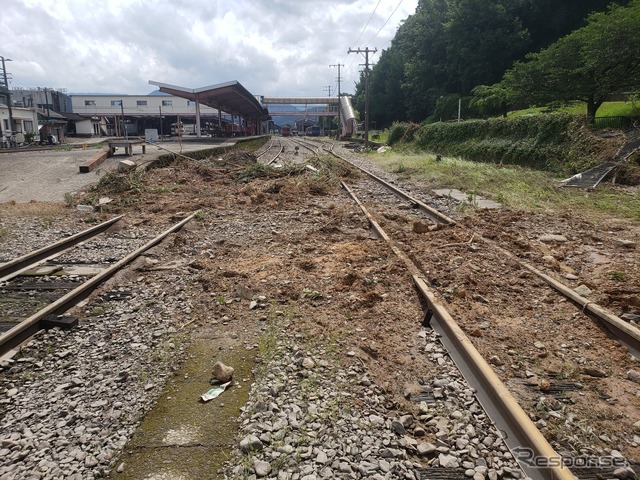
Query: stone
(222, 373)
(633, 376)
(251, 443)
(322, 457)
(551, 238)
(623, 473)
(398, 427)
(308, 363)
(625, 243)
(125, 166)
(594, 372)
(448, 461)
(582, 290)
(261, 468)
(495, 360)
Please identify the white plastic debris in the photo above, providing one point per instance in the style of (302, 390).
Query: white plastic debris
(214, 392)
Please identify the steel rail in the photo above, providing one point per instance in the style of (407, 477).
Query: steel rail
(271, 142)
(280, 150)
(28, 327)
(627, 333)
(519, 432)
(433, 214)
(277, 155)
(14, 267)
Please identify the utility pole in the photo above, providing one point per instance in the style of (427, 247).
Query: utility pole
(46, 102)
(124, 126)
(326, 88)
(7, 93)
(339, 109)
(366, 52)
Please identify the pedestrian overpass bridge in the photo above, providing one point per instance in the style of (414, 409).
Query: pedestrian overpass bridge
(348, 121)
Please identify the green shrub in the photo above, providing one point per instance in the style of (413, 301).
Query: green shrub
(553, 142)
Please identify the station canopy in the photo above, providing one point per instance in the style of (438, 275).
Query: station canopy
(230, 97)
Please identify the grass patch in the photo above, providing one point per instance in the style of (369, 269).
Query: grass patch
(607, 109)
(35, 209)
(515, 187)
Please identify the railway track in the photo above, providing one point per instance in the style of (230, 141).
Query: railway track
(272, 151)
(521, 433)
(18, 331)
(311, 267)
(627, 333)
(538, 380)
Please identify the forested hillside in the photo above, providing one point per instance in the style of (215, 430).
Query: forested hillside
(449, 47)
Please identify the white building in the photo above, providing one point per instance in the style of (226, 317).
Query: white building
(105, 113)
(25, 120)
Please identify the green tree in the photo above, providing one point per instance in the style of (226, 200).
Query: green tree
(490, 100)
(451, 46)
(590, 63)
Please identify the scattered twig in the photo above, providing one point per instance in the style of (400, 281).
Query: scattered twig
(459, 244)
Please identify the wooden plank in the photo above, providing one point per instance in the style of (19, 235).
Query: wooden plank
(95, 160)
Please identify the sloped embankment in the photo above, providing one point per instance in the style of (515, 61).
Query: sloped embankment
(559, 143)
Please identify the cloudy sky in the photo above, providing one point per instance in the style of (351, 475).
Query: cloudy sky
(272, 47)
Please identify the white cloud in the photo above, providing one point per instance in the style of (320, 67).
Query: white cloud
(275, 48)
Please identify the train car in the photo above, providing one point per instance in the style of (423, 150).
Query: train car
(313, 131)
(285, 132)
(179, 129)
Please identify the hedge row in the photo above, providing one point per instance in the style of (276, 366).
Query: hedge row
(544, 142)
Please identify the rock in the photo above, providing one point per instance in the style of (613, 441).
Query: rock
(261, 468)
(551, 238)
(221, 372)
(322, 457)
(633, 376)
(624, 473)
(125, 166)
(398, 427)
(594, 372)
(251, 443)
(425, 448)
(495, 360)
(582, 290)
(308, 363)
(625, 243)
(447, 461)
(630, 317)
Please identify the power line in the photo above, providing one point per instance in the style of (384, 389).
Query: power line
(386, 21)
(348, 69)
(367, 24)
(362, 32)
